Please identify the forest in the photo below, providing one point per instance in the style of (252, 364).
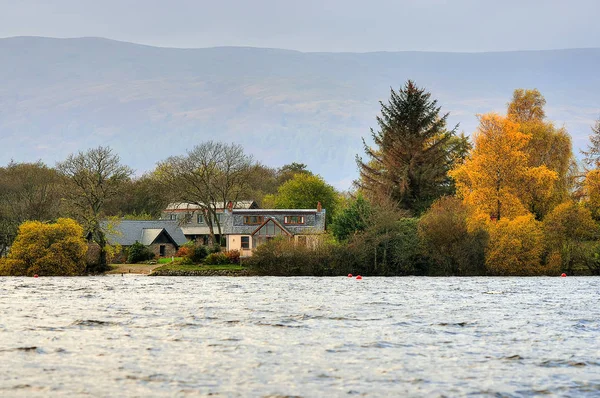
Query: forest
(510, 199)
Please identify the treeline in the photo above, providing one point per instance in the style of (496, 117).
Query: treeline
(510, 200)
(94, 186)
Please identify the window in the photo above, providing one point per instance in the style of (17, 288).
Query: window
(219, 217)
(173, 217)
(245, 242)
(253, 220)
(293, 220)
(200, 219)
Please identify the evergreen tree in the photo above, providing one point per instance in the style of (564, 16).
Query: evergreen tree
(592, 155)
(413, 151)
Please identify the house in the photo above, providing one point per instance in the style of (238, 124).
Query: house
(247, 229)
(192, 219)
(163, 238)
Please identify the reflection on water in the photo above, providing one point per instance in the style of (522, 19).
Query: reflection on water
(158, 336)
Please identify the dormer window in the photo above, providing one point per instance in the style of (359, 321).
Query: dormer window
(293, 220)
(253, 220)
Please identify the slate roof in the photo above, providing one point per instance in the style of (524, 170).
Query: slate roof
(240, 204)
(127, 232)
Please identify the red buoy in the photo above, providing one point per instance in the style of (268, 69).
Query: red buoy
(35, 276)
(358, 277)
(349, 275)
(563, 275)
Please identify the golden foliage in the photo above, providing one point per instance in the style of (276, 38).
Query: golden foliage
(47, 249)
(592, 192)
(526, 106)
(515, 247)
(567, 228)
(497, 177)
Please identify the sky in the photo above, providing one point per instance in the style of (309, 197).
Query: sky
(315, 25)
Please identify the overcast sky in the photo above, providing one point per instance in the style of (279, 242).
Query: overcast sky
(315, 25)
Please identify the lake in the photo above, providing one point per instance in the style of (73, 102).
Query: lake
(263, 336)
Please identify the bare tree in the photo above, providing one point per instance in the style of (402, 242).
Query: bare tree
(209, 176)
(28, 191)
(93, 177)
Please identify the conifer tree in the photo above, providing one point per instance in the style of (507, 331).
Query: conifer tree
(413, 151)
(592, 155)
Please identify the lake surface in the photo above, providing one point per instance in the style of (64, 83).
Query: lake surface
(169, 336)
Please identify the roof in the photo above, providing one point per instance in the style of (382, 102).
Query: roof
(240, 204)
(274, 211)
(127, 232)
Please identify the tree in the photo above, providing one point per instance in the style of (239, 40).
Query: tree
(566, 230)
(497, 178)
(47, 249)
(548, 146)
(288, 171)
(28, 191)
(592, 192)
(592, 155)
(455, 245)
(526, 106)
(515, 247)
(209, 176)
(351, 220)
(304, 191)
(141, 198)
(413, 151)
(93, 177)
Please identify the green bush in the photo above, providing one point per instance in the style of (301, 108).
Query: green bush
(283, 257)
(138, 253)
(197, 254)
(216, 259)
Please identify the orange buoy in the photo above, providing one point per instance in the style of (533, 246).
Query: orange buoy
(563, 275)
(349, 275)
(358, 277)
(35, 276)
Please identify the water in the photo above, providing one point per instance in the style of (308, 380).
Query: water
(146, 336)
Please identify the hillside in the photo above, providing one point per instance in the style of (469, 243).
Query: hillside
(62, 95)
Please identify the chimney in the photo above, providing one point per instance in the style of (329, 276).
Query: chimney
(319, 208)
(230, 206)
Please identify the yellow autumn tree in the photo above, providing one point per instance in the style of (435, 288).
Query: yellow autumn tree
(548, 146)
(515, 247)
(567, 230)
(592, 192)
(56, 249)
(497, 177)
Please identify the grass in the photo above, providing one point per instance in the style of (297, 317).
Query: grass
(167, 260)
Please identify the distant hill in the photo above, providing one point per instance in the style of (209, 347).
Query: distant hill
(58, 96)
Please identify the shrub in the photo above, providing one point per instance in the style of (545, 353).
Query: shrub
(138, 252)
(283, 257)
(453, 244)
(184, 251)
(233, 256)
(216, 259)
(197, 254)
(57, 249)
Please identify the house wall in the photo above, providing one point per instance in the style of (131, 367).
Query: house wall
(234, 242)
(170, 249)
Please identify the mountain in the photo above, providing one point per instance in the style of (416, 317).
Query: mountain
(59, 96)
